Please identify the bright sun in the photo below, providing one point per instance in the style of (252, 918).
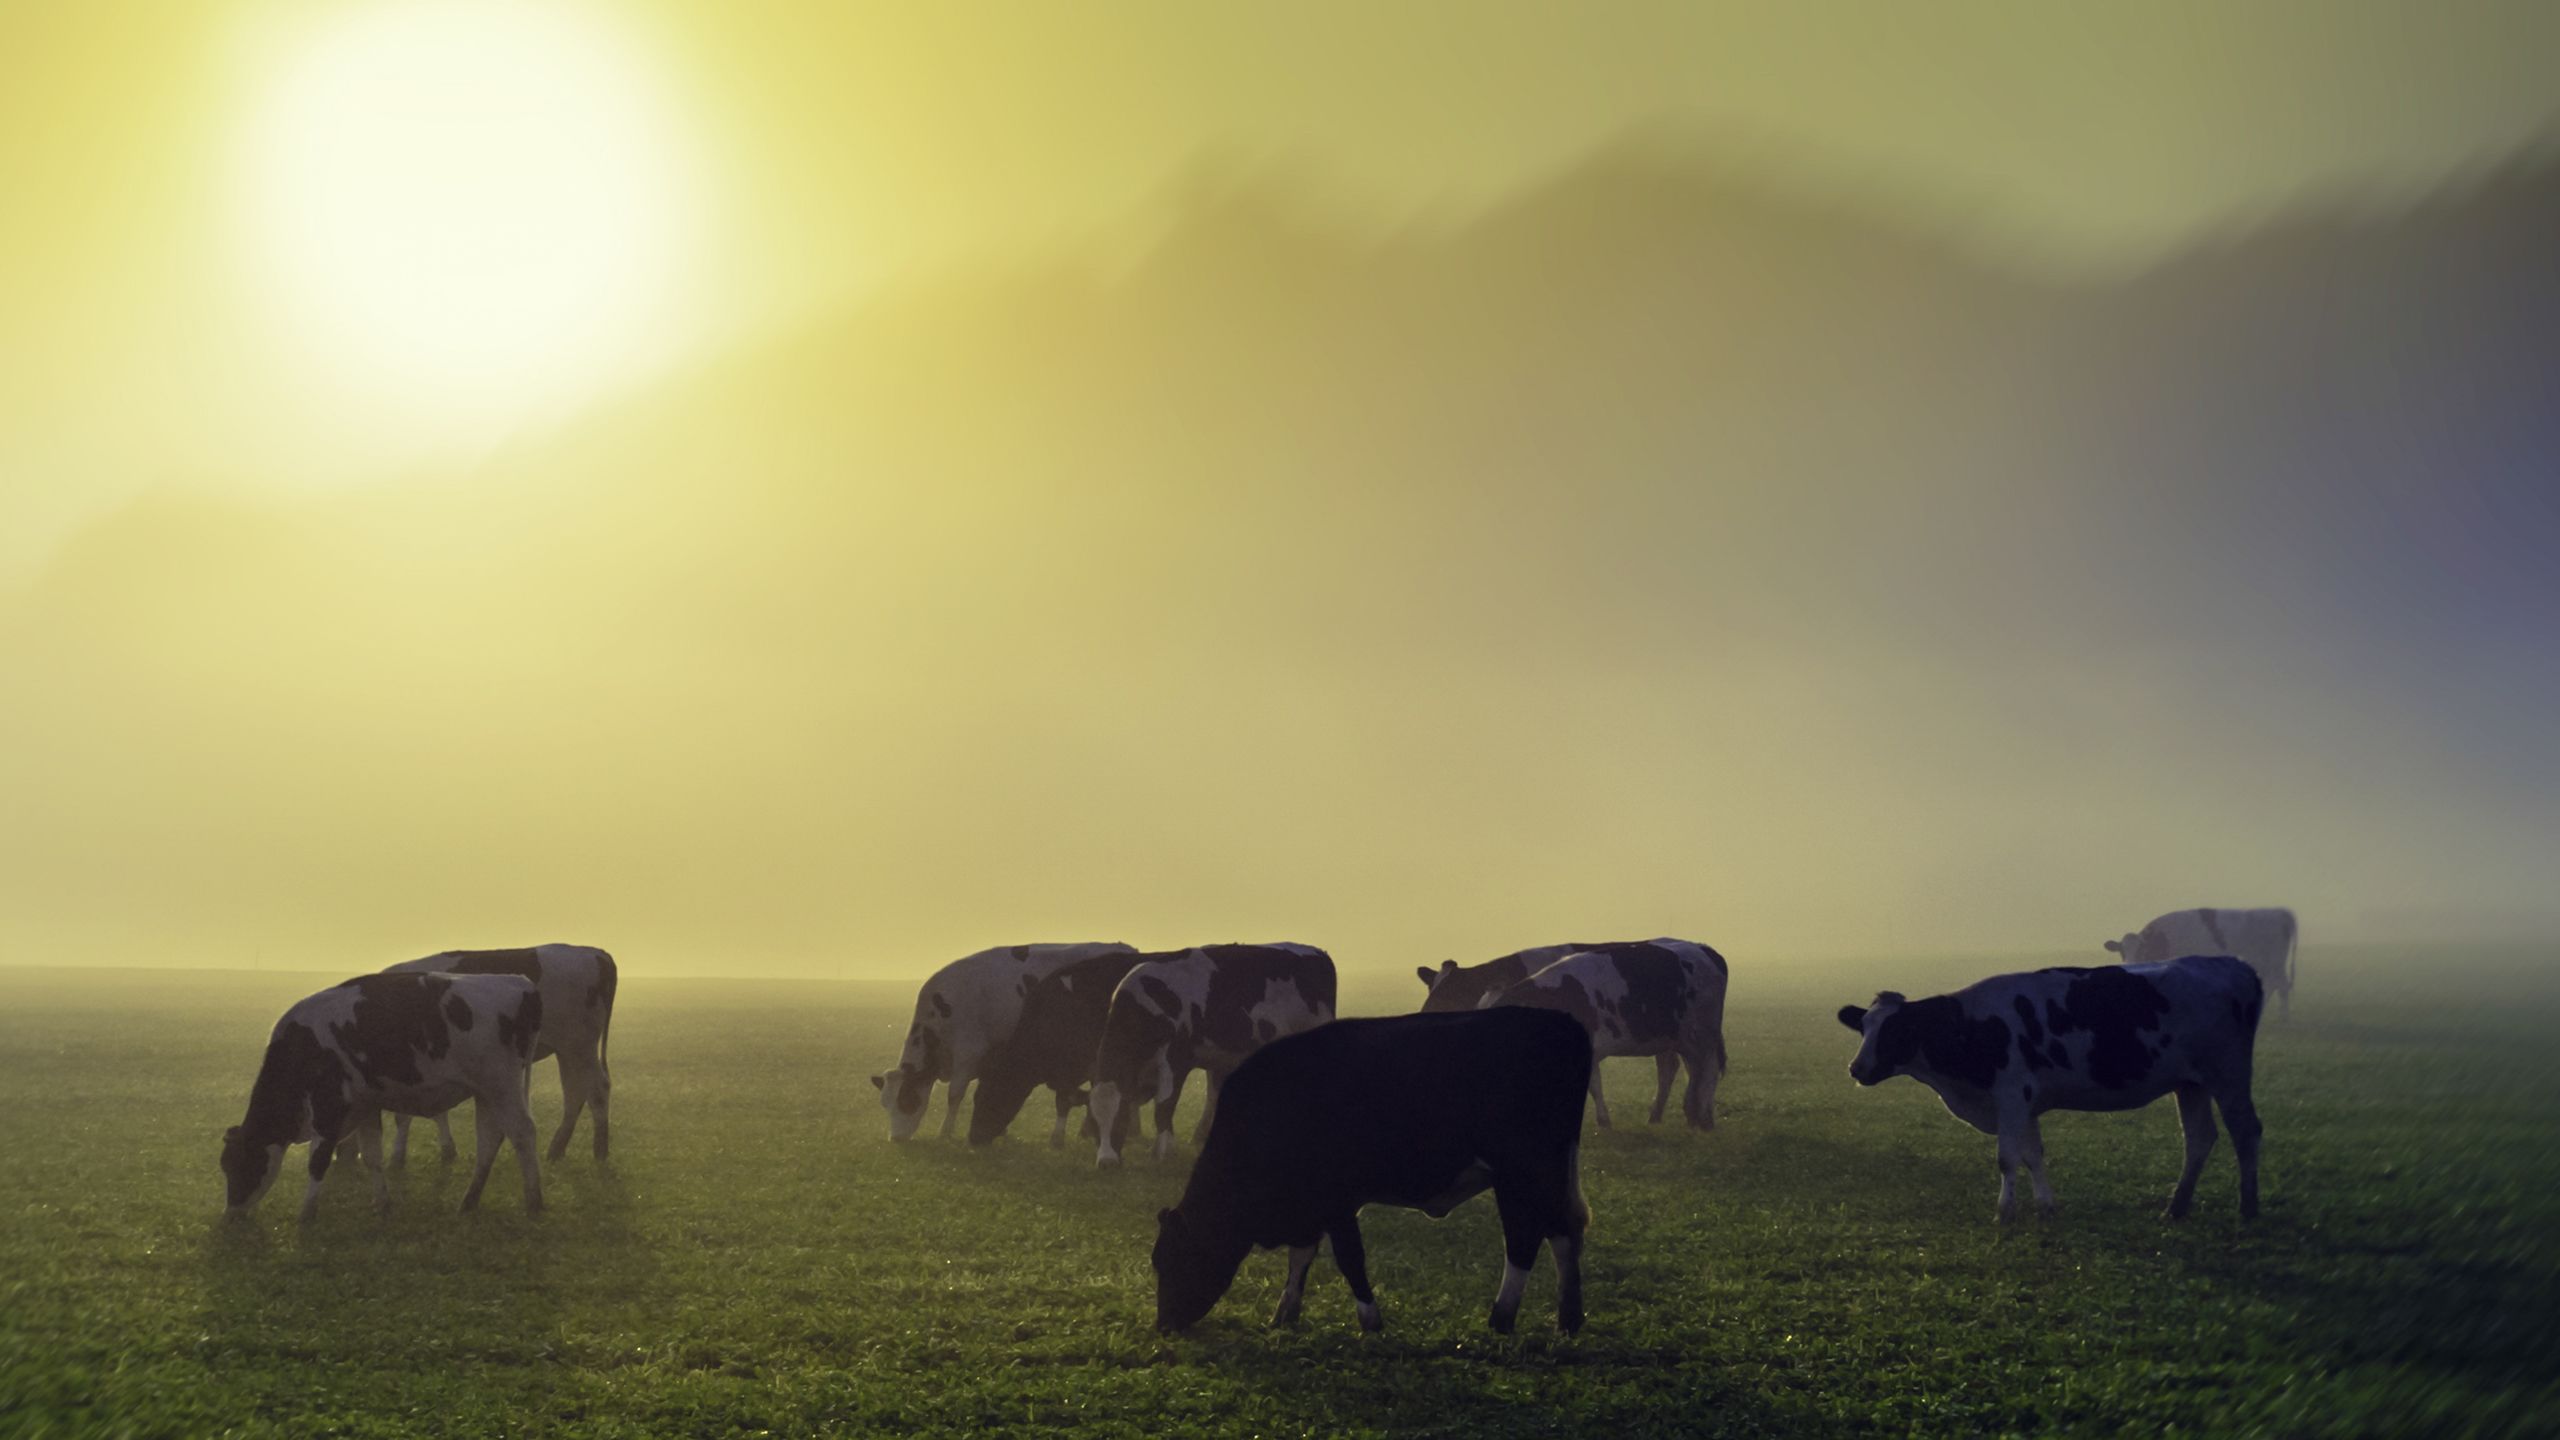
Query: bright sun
(480, 202)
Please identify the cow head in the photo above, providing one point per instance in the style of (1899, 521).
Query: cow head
(1193, 1270)
(2125, 949)
(1887, 1046)
(1451, 988)
(247, 1170)
(904, 1095)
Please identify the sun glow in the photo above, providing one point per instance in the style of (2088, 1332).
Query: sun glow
(477, 204)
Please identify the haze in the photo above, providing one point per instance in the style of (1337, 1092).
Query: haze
(1817, 479)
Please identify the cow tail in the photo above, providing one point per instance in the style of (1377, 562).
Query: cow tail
(1720, 1056)
(608, 980)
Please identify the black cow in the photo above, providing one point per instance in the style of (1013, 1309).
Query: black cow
(1052, 1045)
(2005, 1050)
(1421, 1111)
(415, 1044)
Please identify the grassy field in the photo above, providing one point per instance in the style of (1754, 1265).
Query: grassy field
(760, 1258)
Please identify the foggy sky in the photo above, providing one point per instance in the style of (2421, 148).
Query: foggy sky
(1656, 553)
(1958, 479)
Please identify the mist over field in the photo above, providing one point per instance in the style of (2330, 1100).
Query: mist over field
(1665, 548)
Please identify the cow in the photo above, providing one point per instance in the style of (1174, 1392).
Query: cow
(414, 1044)
(1205, 1008)
(1418, 1111)
(578, 984)
(966, 1009)
(1663, 998)
(1465, 987)
(2003, 1051)
(2264, 938)
(1054, 1045)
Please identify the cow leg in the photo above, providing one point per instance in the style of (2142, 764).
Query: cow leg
(961, 1077)
(446, 1150)
(368, 1138)
(1666, 1066)
(520, 1134)
(2242, 1116)
(1352, 1259)
(1302, 1258)
(321, 1150)
(1698, 1103)
(2008, 1210)
(1520, 1242)
(1208, 1109)
(2031, 1153)
(1167, 1101)
(1568, 1252)
(1058, 1132)
(399, 1142)
(2195, 1117)
(485, 1122)
(573, 1102)
(1599, 1098)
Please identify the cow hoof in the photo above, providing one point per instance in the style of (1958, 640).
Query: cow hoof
(1284, 1317)
(448, 1156)
(2048, 1210)
(559, 1150)
(1569, 1322)
(1501, 1321)
(1371, 1322)
(1107, 1162)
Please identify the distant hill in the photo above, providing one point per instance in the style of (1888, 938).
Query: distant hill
(1652, 545)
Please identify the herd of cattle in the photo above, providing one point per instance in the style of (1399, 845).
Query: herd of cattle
(1315, 1117)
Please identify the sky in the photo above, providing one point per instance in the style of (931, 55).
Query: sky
(300, 299)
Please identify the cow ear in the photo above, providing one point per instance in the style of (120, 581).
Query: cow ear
(879, 1082)
(1427, 974)
(2113, 946)
(1166, 1220)
(231, 1136)
(1853, 1016)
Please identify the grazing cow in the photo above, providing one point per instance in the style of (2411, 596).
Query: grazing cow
(1663, 998)
(2264, 938)
(2005, 1050)
(1205, 1008)
(578, 983)
(1466, 987)
(966, 1009)
(1061, 1028)
(1420, 1111)
(415, 1044)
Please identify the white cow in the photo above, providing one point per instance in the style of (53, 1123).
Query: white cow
(2003, 1051)
(578, 984)
(411, 1044)
(1205, 1008)
(965, 1010)
(2264, 938)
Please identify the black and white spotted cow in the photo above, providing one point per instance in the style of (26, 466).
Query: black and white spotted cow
(2264, 938)
(1205, 1008)
(2003, 1051)
(1061, 1029)
(578, 984)
(1466, 987)
(1662, 998)
(966, 1009)
(415, 1044)
(1417, 1111)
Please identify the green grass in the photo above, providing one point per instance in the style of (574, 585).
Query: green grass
(760, 1258)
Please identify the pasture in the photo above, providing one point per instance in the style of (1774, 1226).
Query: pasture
(759, 1258)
